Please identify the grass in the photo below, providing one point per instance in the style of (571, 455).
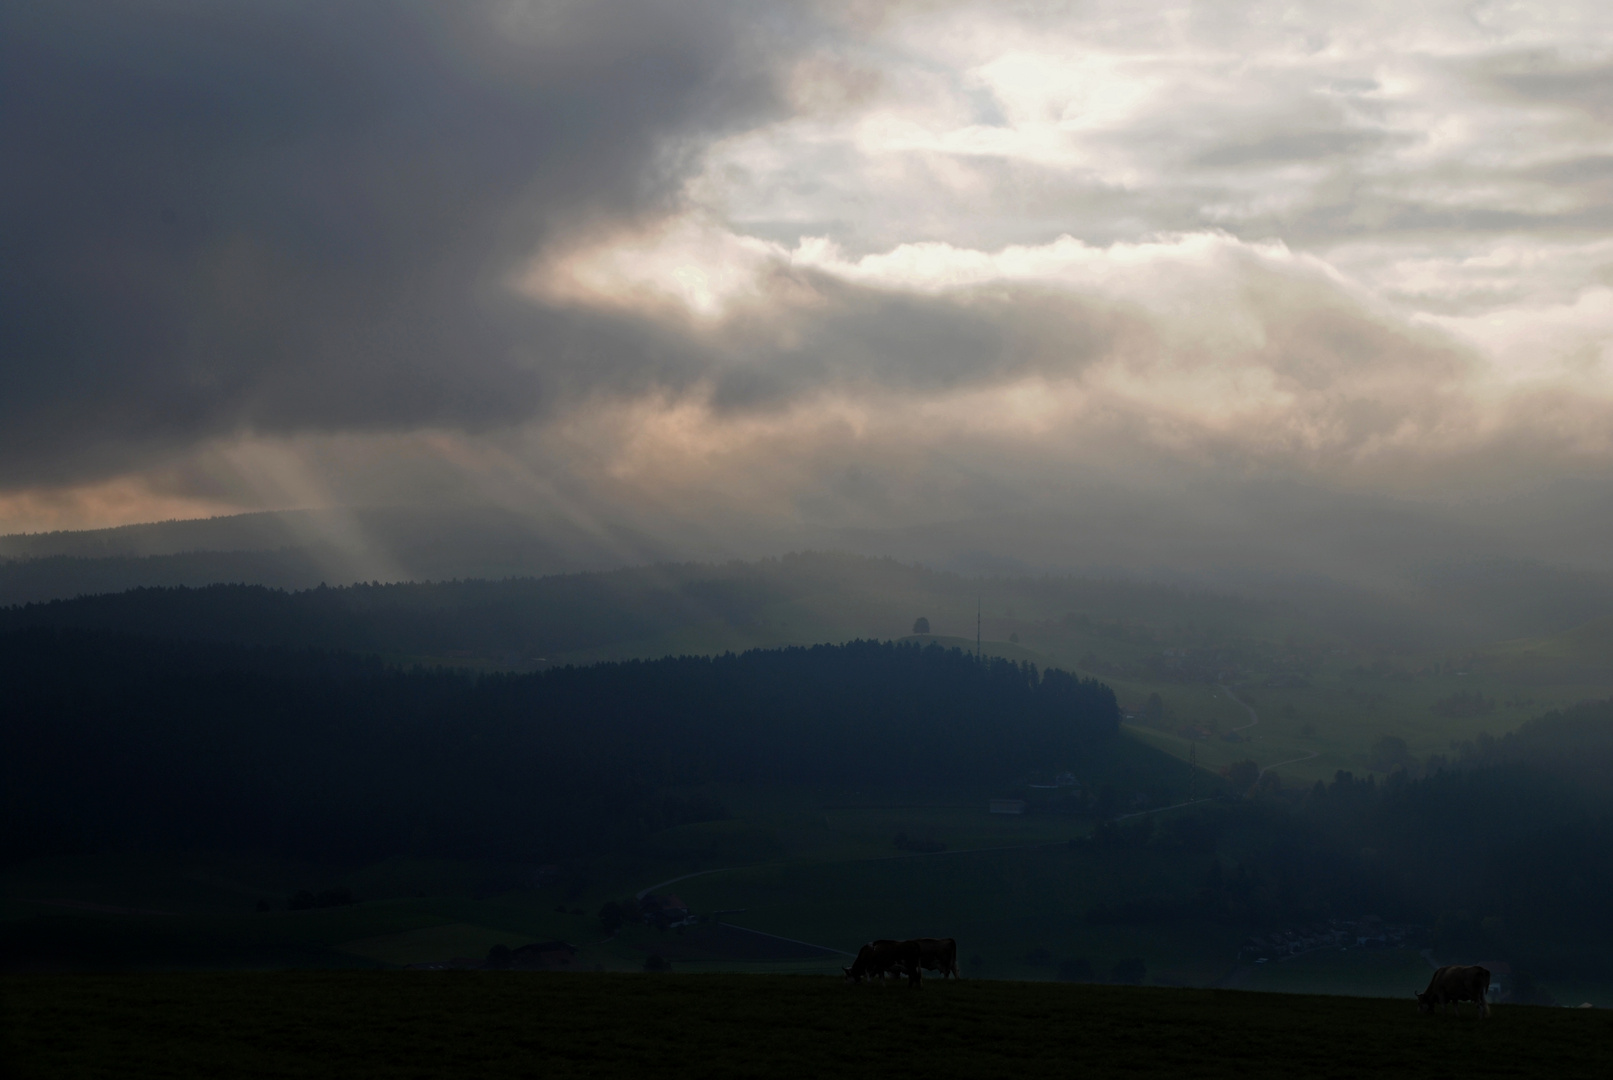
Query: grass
(1021, 890)
(1388, 973)
(1016, 913)
(432, 944)
(1585, 652)
(487, 1024)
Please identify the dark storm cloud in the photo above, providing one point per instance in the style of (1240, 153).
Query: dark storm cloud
(1548, 77)
(298, 215)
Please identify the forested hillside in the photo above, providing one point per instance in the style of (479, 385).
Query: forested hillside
(1509, 847)
(110, 740)
(1504, 850)
(797, 599)
(42, 579)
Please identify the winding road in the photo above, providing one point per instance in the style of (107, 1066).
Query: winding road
(1254, 718)
(642, 893)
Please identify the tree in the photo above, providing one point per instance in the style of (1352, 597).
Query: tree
(1390, 751)
(921, 625)
(611, 917)
(1154, 710)
(1242, 775)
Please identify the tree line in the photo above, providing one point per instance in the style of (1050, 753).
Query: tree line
(524, 618)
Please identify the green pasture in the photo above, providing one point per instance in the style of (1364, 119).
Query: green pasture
(818, 867)
(162, 910)
(1583, 654)
(1389, 973)
(810, 867)
(1016, 913)
(491, 1024)
(806, 826)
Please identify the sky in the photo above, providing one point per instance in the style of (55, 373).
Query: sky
(773, 269)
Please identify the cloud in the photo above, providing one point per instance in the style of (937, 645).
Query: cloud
(286, 215)
(805, 267)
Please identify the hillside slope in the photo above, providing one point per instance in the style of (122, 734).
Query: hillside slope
(492, 1024)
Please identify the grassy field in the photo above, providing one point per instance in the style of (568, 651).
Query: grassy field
(1017, 913)
(1386, 973)
(485, 1024)
(807, 865)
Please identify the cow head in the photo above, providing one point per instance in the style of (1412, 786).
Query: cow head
(1425, 1002)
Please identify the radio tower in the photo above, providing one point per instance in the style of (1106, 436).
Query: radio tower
(977, 629)
(1192, 768)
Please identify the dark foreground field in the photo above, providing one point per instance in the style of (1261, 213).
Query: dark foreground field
(487, 1024)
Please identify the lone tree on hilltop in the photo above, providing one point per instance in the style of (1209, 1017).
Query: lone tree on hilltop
(921, 625)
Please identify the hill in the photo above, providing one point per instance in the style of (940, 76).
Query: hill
(315, 754)
(1583, 654)
(1320, 704)
(1449, 597)
(559, 1025)
(671, 608)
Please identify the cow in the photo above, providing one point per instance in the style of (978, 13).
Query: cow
(872, 960)
(881, 957)
(939, 955)
(1453, 985)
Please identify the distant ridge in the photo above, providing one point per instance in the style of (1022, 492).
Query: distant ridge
(300, 548)
(1585, 652)
(262, 531)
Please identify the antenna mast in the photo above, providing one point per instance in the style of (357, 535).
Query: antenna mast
(977, 628)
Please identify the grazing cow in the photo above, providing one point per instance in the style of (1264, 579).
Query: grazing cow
(1453, 985)
(872, 960)
(881, 957)
(939, 955)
